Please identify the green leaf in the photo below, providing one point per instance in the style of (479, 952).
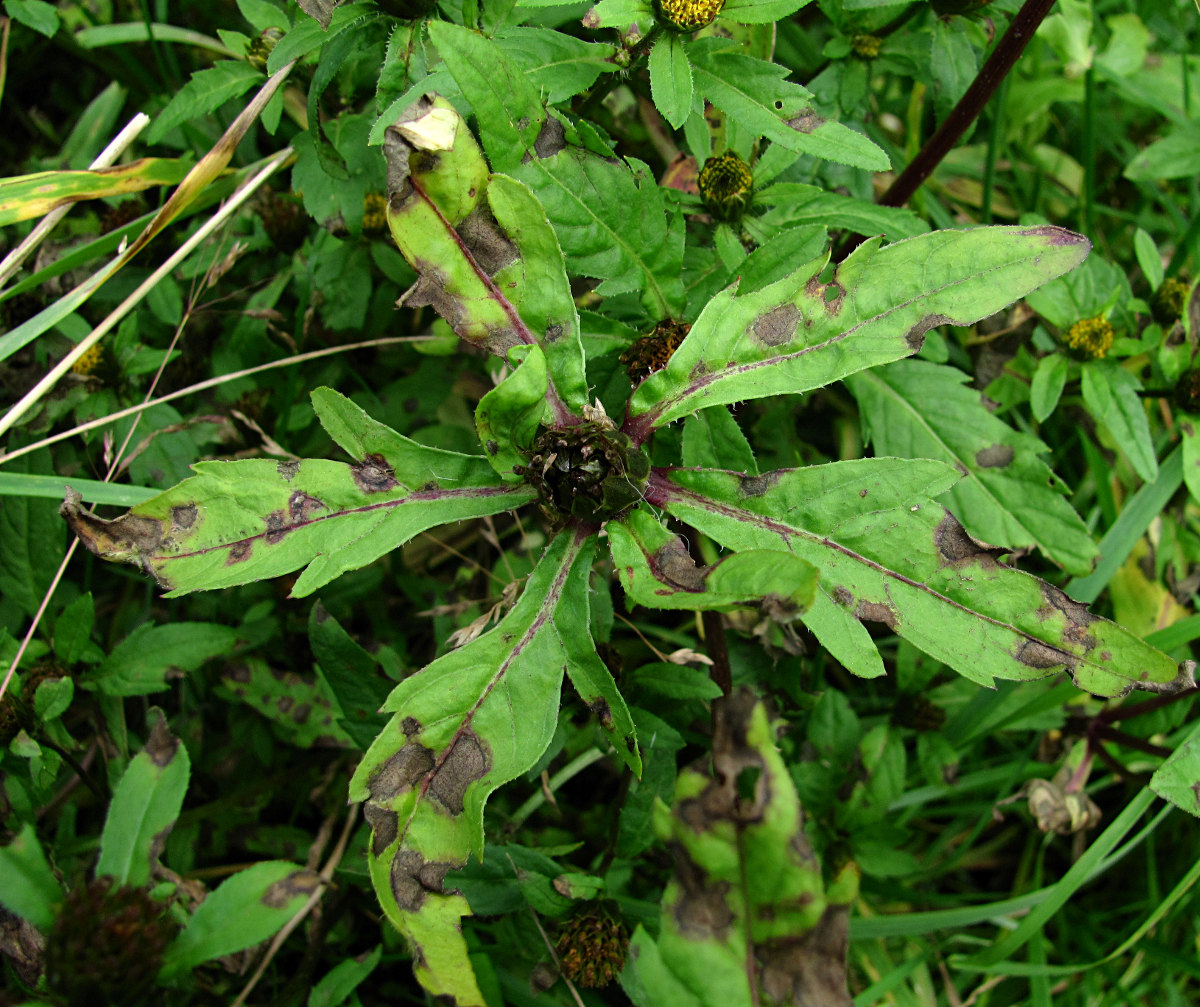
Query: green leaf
(1148, 258)
(336, 986)
(351, 676)
(712, 439)
(31, 547)
(676, 681)
(657, 571)
(472, 720)
(509, 416)
(140, 663)
(953, 62)
(42, 17)
(797, 203)
(798, 334)
(1176, 155)
(1111, 395)
(887, 554)
(53, 698)
(747, 886)
(760, 11)
(755, 94)
(610, 222)
(557, 64)
(144, 807)
(308, 35)
(25, 197)
(1178, 779)
(246, 909)
(236, 522)
(671, 78)
(206, 91)
(300, 706)
(1047, 386)
(73, 629)
(1008, 496)
(488, 260)
(30, 888)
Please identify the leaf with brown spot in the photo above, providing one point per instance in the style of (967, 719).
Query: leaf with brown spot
(472, 720)
(657, 571)
(488, 260)
(895, 556)
(746, 918)
(144, 807)
(253, 519)
(1009, 496)
(788, 337)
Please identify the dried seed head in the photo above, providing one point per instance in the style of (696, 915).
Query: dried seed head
(726, 185)
(688, 15)
(651, 352)
(591, 947)
(589, 472)
(1167, 303)
(1091, 338)
(107, 945)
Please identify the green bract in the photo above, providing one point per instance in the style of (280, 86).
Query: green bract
(834, 546)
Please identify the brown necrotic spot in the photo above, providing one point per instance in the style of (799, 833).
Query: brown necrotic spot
(955, 546)
(285, 889)
(183, 516)
(486, 241)
(554, 333)
(413, 877)
(238, 673)
(1039, 655)
(288, 469)
(276, 527)
(1077, 616)
(673, 566)
(777, 326)
(1055, 235)
(238, 552)
(401, 772)
(874, 611)
(466, 762)
(996, 456)
(302, 506)
(374, 475)
(385, 826)
(702, 911)
(551, 138)
(410, 726)
(600, 708)
(162, 745)
(753, 486)
(302, 713)
(285, 703)
(915, 337)
(806, 122)
(842, 596)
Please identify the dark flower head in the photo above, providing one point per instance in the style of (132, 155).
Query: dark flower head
(726, 185)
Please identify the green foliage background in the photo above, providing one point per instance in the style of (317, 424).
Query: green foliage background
(969, 840)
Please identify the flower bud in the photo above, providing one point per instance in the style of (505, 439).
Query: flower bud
(688, 15)
(726, 185)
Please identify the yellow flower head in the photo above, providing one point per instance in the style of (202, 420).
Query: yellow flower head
(374, 213)
(90, 360)
(866, 46)
(689, 15)
(1090, 337)
(726, 185)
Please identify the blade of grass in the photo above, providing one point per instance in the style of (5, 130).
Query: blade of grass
(106, 158)
(93, 490)
(97, 36)
(130, 302)
(1130, 526)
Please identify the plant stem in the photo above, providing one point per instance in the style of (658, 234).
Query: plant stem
(998, 64)
(714, 637)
